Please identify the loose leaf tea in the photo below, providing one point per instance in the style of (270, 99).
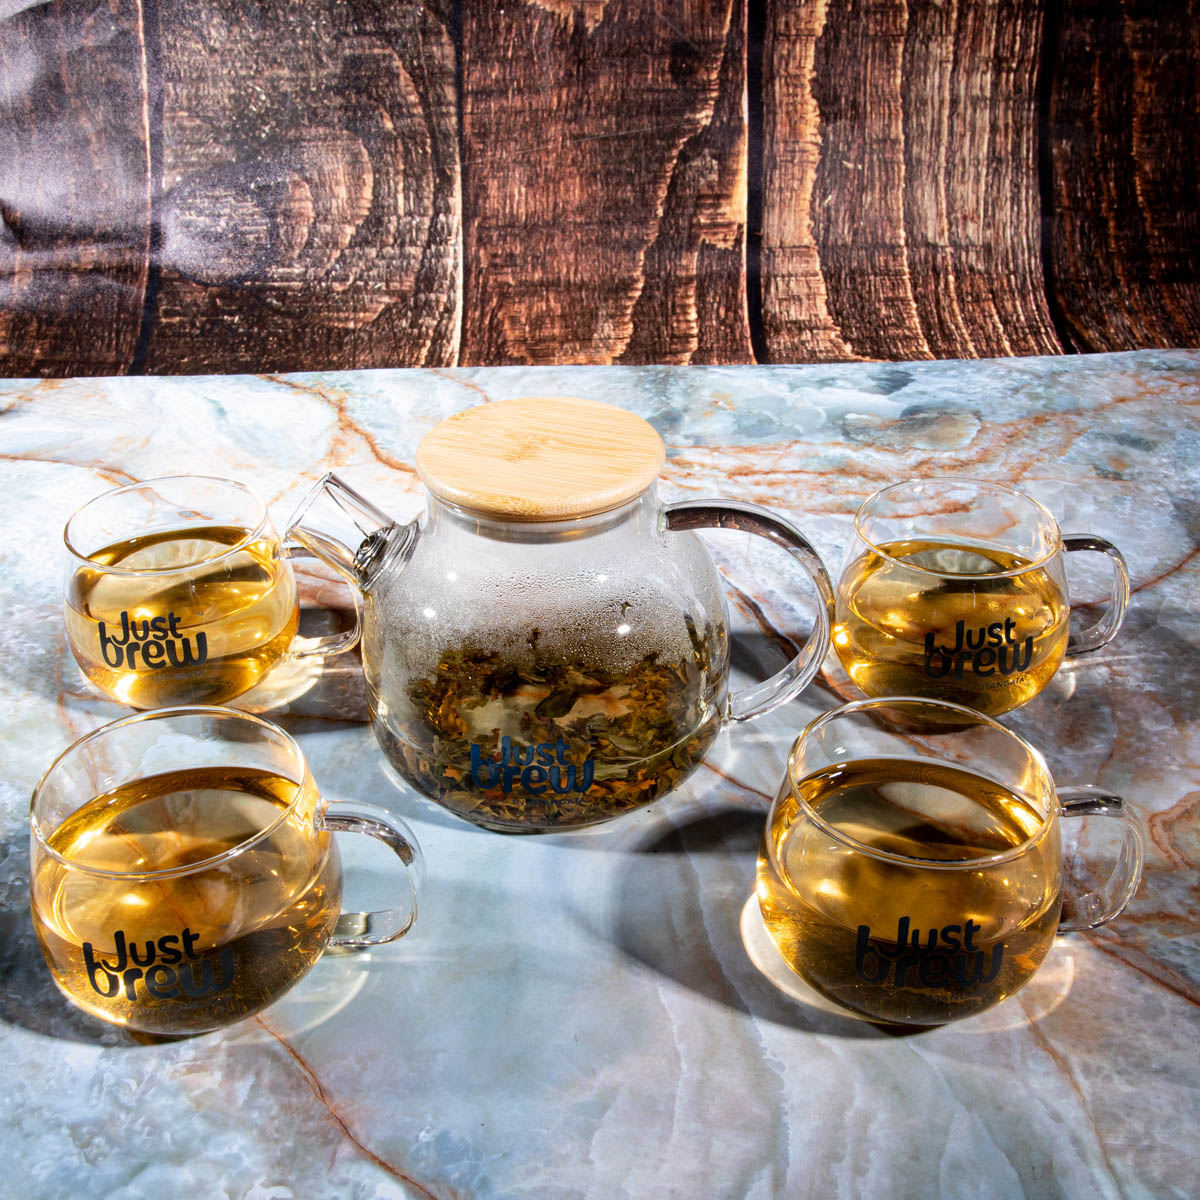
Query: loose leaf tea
(541, 740)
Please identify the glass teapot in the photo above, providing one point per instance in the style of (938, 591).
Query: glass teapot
(547, 647)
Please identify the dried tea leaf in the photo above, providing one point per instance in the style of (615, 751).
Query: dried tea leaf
(558, 703)
(633, 734)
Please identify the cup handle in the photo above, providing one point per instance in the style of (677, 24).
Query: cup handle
(759, 698)
(358, 930)
(1105, 629)
(1097, 908)
(331, 643)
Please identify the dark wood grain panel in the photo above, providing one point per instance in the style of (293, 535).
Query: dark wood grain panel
(604, 181)
(972, 210)
(901, 196)
(218, 186)
(797, 323)
(858, 201)
(1124, 125)
(74, 187)
(309, 206)
(844, 110)
(692, 306)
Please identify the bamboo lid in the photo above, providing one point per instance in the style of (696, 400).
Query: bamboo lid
(540, 458)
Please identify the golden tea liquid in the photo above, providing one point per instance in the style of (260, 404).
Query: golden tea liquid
(190, 952)
(951, 629)
(901, 942)
(205, 629)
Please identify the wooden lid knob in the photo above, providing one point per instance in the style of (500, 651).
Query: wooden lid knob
(540, 458)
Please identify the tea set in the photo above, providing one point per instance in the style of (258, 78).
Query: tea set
(545, 648)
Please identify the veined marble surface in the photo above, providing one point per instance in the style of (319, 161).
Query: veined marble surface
(581, 1015)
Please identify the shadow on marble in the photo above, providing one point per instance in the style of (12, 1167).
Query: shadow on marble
(676, 906)
(696, 921)
(756, 656)
(319, 689)
(1157, 652)
(328, 688)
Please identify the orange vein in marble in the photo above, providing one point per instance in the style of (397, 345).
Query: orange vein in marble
(462, 383)
(988, 446)
(315, 1084)
(345, 423)
(1064, 1065)
(773, 635)
(1153, 970)
(113, 475)
(1158, 827)
(737, 783)
(1183, 562)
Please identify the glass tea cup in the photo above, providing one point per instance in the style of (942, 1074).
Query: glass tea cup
(179, 591)
(917, 880)
(955, 589)
(182, 871)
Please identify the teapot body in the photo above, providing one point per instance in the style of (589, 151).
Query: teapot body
(547, 648)
(540, 676)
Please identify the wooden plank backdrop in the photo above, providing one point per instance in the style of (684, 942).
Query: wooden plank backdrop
(604, 164)
(1123, 134)
(309, 187)
(75, 189)
(209, 185)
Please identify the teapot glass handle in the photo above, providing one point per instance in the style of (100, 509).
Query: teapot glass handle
(759, 698)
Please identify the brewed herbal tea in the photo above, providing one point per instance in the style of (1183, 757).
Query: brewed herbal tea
(901, 941)
(195, 625)
(531, 737)
(971, 624)
(189, 952)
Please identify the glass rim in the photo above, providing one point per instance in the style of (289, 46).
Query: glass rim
(252, 534)
(941, 864)
(185, 710)
(978, 485)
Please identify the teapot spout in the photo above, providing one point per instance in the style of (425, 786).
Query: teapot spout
(346, 531)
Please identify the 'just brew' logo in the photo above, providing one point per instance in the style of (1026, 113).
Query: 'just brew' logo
(988, 650)
(157, 640)
(536, 768)
(167, 969)
(949, 956)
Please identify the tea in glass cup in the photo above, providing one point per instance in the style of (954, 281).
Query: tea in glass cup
(183, 873)
(956, 590)
(180, 591)
(920, 880)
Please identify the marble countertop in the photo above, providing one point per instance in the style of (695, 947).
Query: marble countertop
(594, 1015)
